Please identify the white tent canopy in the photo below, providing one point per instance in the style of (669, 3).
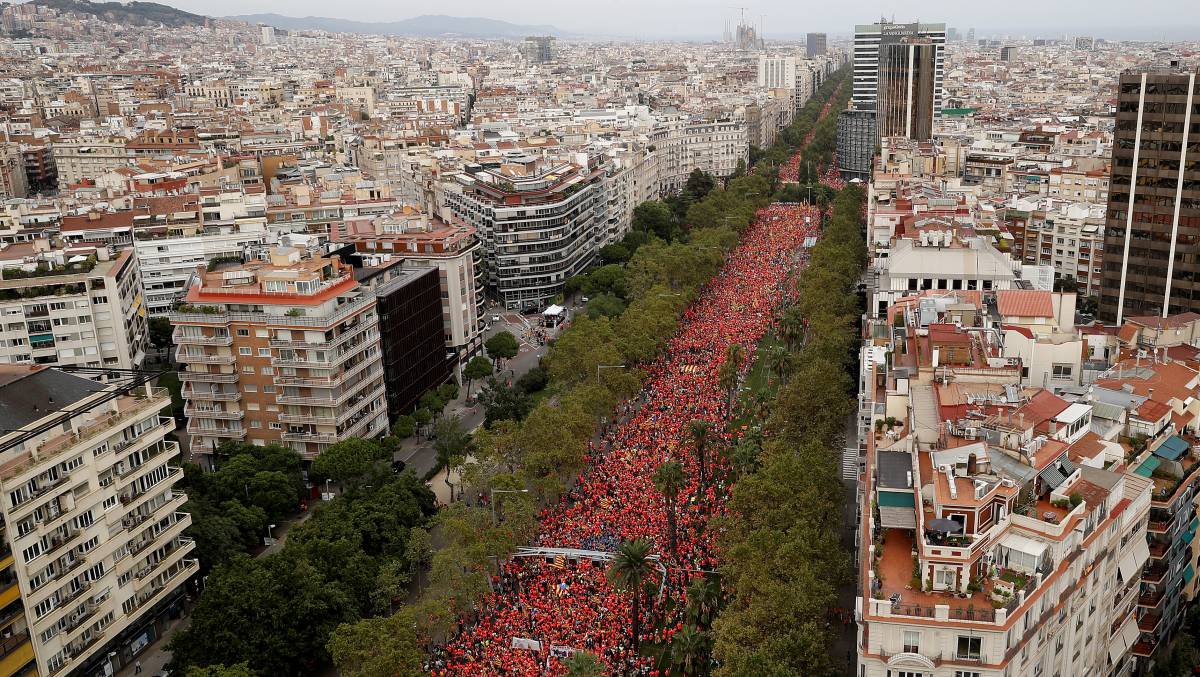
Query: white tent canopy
(553, 311)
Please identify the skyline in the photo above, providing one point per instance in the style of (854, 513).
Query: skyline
(706, 20)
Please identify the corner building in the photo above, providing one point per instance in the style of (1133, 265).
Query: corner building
(95, 559)
(283, 350)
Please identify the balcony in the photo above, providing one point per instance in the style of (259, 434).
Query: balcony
(190, 357)
(329, 401)
(1149, 622)
(60, 541)
(1158, 527)
(180, 337)
(327, 381)
(238, 433)
(207, 377)
(1155, 574)
(338, 340)
(151, 596)
(1144, 648)
(296, 436)
(1152, 600)
(1158, 549)
(305, 418)
(128, 407)
(182, 547)
(224, 415)
(132, 521)
(16, 652)
(208, 395)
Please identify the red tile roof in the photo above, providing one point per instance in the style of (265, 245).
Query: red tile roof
(1024, 303)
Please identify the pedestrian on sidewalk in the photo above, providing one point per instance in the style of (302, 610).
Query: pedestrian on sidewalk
(137, 667)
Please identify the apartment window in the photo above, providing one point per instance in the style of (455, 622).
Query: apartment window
(261, 333)
(966, 673)
(1062, 372)
(276, 426)
(264, 352)
(243, 332)
(968, 648)
(267, 371)
(244, 350)
(912, 641)
(255, 424)
(247, 369)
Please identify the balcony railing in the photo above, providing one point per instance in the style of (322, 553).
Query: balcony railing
(214, 413)
(202, 394)
(201, 431)
(207, 377)
(334, 342)
(188, 357)
(180, 337)
(1151, 599)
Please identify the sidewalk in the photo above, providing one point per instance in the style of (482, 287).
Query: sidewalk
(155, 657)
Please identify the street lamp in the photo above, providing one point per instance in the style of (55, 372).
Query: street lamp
(606, 366)
(269, 528)
(493, 492)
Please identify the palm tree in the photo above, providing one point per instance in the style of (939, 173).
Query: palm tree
(703, 601)
(690, 651)
(779, 361)
(670, 480)
(627, 571)
(727, 374)
(700, 442)
(791, 327)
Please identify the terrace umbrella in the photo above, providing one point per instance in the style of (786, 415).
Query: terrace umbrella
(944, 525)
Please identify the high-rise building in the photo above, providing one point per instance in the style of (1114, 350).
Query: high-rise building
(95, 557)
(1152, 233)
(79, 306)
(867, 41)
(856, 143)
(1008, 53)
(268, 34)
(425, 240)
(818, 44)
(538, 48)
(776, 72)
(538, 229)
(282, 350)
(907, 75)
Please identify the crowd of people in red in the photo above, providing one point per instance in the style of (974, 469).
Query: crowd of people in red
(790, 170)
(552, 608)
(830, 176)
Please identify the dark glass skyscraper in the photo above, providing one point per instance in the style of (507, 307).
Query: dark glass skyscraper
(1152, 231)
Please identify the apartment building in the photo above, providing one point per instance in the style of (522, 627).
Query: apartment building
(538, 229)
(999, 534)
(79, 159)
(1067, 236)
(424, 240)
(775, 72)
(1154, 203)
(713, 146)
(280, 350)
(14, 181)
(96, 557)
(73, 306)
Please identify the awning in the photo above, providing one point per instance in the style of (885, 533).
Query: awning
(1133, 560)
(898, 518)
(1174, 447)
(1022, 544)
(1188, 574)
(1123, 640)
(1148, 466)
(897, 499)
(553, 310)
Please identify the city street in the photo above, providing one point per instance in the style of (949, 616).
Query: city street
(418, 454)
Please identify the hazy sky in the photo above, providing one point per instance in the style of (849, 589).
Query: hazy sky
(1104, 18)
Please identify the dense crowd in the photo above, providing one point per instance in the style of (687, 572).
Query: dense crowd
(570, 605)
(790, 170)
(830, 176)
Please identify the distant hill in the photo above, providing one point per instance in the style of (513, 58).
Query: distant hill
(421, 26)
(133, 13)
